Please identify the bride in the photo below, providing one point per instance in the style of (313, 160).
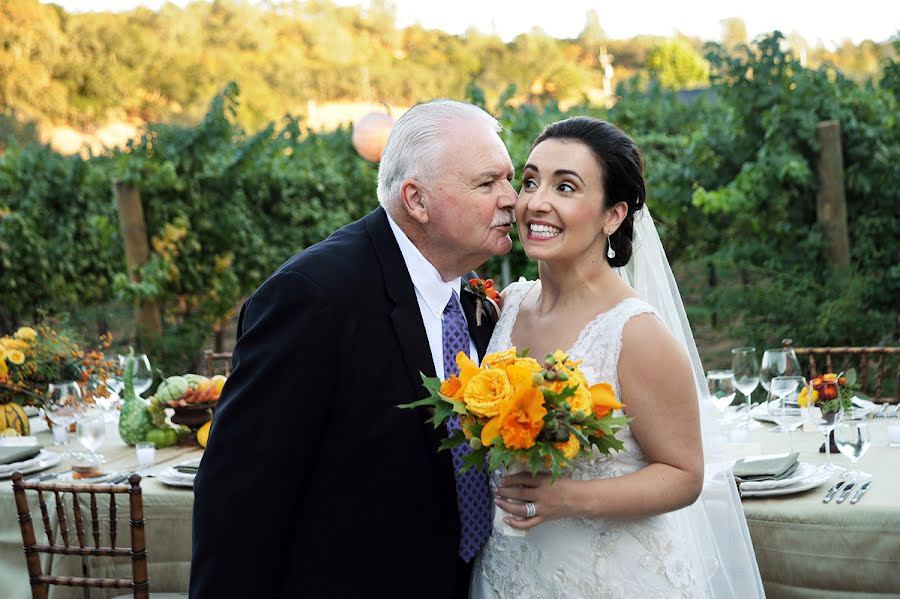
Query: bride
(631, 524)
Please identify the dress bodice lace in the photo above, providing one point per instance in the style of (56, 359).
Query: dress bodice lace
(571, 558)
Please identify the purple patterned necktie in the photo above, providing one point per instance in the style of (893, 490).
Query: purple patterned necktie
(473, 492)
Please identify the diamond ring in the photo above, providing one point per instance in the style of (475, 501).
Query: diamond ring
(530, 511)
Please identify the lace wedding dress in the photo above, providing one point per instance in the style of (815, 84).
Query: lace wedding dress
(575, 558)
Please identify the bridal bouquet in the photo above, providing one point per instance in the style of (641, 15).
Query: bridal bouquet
(515, 411)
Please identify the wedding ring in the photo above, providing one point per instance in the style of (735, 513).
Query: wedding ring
(530, 511)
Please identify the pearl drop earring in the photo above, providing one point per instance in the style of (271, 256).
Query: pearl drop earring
(610, 252)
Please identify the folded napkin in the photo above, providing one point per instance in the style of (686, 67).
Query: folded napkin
(765, 468)
(11, 455)
(186, 469)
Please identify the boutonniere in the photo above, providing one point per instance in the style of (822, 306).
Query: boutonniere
(483, 290)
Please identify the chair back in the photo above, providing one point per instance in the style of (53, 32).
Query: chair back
(871, 364)
(81, 544)
(217, 362)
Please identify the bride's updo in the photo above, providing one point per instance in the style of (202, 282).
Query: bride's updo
(621, 166)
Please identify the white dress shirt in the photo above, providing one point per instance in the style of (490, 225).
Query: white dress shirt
(432, 293)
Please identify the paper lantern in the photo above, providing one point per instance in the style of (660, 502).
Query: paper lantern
(370, 134)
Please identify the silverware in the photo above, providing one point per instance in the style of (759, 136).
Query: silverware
(845, 492)
(41, 477)
(833, 490)
(861, 492)
(122, 477)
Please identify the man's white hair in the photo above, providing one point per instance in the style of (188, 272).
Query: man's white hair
(417, 142)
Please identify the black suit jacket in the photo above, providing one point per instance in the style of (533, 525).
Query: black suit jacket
(314, 483)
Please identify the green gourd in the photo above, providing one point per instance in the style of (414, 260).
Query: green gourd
(135, 420)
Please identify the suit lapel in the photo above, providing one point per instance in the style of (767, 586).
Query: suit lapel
(405, 316)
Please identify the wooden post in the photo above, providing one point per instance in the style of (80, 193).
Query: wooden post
(831, 203)
(137, 253)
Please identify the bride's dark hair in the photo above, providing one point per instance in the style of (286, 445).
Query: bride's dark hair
(621, 165)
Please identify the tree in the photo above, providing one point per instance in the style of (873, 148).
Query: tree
(734, 33)
(676, 65)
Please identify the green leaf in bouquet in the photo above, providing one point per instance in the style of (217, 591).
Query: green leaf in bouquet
(578, 435)
(453, 441)
(432, 384)
(499, 456)
(851, 377)
(475, 459)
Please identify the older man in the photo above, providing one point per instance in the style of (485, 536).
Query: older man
(314, 483)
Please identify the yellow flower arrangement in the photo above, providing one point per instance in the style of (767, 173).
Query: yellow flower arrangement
(31, 358)
(513, 407)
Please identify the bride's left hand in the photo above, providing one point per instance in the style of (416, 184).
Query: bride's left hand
(548, 499)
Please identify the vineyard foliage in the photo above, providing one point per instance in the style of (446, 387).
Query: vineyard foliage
(732, 182)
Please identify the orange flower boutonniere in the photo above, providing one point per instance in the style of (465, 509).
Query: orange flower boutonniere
(484, 291)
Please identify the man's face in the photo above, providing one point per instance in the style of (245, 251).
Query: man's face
(470, 199)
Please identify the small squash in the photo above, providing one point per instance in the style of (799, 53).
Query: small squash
(12, 416)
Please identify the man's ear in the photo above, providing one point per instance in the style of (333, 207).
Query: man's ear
(412, 196)
(614, 217)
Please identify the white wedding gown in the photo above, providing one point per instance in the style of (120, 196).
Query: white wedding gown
(574, 558)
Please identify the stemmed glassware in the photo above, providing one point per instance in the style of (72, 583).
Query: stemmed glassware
(827, 423)
(852, 437)
(62, 407)
(91, 429)
(745, 366)
(778, 362)
(143, 375)
(785, 408)
(720, 384)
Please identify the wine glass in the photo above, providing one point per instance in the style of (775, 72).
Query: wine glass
(143, 376)
(63, 404)
(91, 430)
(778, 362)
(785, 408)
(852, 437)
(721, 388)
(745, 366)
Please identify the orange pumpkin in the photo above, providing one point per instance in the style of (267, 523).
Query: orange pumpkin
(370, 134)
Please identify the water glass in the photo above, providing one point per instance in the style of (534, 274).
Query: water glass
(143, 375)
(785, 408)
(778, 362)
(720, 384)
(745, 366)
(62, 407)
(146, 454)
(91, 430)
(829, 420)
(852, 437)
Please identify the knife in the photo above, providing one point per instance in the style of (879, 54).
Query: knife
(861, 492)
(845, 493)
(832, 491)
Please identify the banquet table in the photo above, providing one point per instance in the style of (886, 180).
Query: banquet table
(167, 520)
(805, 549)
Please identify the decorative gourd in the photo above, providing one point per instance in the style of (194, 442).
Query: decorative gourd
(12, 416)
(203, 434)
(193, 380)
(172, 388)
(135, 420)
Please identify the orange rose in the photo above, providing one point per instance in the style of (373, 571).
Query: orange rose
(452, 388)
(499, 359)
(523, 417)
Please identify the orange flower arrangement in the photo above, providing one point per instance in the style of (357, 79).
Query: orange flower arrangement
(513, 408)
(831, 391)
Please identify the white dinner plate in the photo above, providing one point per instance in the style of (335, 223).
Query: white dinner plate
(172, 477)
(67, 478)
(42, 461)
(806, 477)
(761, 412)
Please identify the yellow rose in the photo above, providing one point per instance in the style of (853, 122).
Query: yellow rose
(569, 448)
(4, 370)
(10, 344)
(499, 359)
(488, 392)
(26, 334)
(582, 401)
(15, 356)
(802, 398)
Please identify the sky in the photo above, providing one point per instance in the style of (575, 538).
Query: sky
(825, 22)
